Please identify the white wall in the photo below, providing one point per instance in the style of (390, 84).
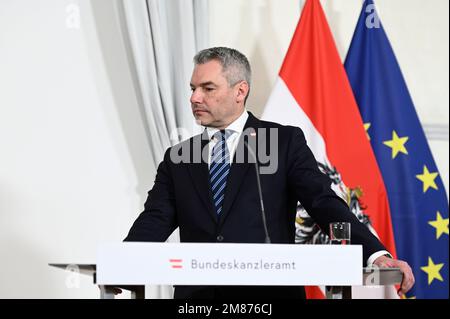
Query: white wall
(75, 165)
(74, 160)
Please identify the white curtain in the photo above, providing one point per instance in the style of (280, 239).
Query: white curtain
(164, 37)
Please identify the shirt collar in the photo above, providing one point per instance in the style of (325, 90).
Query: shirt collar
(235, 127)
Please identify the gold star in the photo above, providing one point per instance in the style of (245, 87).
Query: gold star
(397, 144)
(440, 224)
(428, 179)
(366, 127)
(432, 271)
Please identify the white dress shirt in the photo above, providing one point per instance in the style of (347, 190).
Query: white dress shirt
(236, 128)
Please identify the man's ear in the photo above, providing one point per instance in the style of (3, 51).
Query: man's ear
(242, 91)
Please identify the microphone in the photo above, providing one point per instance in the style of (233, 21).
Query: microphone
(258, 181)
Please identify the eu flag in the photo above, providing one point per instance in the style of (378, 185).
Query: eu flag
(417, 198)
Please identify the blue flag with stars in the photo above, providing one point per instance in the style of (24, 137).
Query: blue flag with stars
(417, 198)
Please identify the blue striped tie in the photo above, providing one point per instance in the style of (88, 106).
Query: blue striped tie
(219, 169)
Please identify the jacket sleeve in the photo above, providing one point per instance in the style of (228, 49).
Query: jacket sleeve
(158, 220)
(313, 190)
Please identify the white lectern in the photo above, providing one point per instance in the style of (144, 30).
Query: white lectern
(133, 265)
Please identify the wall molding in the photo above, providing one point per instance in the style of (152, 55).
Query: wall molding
(436, 132)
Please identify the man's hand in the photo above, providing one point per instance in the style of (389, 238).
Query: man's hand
(408, 277)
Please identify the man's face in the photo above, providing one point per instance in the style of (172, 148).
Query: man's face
(214, 102)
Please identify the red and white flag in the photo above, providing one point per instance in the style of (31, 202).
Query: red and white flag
(313, 93)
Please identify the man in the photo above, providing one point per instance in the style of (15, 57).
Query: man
(214, 197)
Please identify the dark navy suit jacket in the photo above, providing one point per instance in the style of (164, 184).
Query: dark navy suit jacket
(181, 197)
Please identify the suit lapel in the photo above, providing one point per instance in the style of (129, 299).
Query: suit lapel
(238, 171)
(200, 176)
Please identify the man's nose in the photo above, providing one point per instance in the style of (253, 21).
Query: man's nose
(196, 96)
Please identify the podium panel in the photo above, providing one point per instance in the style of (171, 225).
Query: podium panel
(228, 264)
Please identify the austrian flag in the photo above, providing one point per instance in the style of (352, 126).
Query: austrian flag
(313, 93)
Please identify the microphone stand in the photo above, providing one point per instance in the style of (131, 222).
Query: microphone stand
(263, 212)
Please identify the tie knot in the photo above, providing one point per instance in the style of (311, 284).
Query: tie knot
(223, 134)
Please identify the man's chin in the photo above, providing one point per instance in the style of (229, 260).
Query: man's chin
(202, 120)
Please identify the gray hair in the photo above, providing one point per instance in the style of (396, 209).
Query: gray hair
(235, 65)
